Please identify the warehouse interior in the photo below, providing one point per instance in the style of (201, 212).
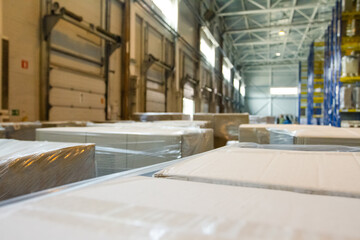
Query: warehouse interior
(180, 119)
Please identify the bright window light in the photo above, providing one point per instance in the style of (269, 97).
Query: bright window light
(278, 54)
(226, 72)
(169, 10)
(284, 91)
(242, 90)
(188, 106)
(208, 50)
(236, 84)
(281, 33)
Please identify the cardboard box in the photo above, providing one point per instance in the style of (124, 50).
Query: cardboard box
(184, 123)
(155, 116)
(254, 119)
(317, 136)
(323, 173)
(51, 124)
(2, 133)
(148, 208)
(127, 147)
(20, 130)
(280, 133)
(225, 125)
(27, 166)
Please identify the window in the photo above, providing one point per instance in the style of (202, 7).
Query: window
(188, 106)
(169, 9)
(237, 79)
(284, 91)
(208, 45)
(242, 90)
(236, 84)
(226, 72)
(208, 50)
(226, 69)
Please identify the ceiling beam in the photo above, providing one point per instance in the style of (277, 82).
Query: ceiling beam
(272, 61)
(276, 27)
(256, 4)
(289, 29)
(247, 43)
(309, 26)
(224, 6)
(271, 10)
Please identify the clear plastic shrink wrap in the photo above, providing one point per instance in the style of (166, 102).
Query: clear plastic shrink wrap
(254, 119)
(2, 133)
(350, 66)
(308, 148)
(225, 125)
(350, 123)
(318, 135)
(164, 123)
(149, 208)
(50, 124)
(128, 147)
(333, 173)
(27, 166)
(154, 116)
(21, 130)
(260, 133)
(346, 97)
(356, 97)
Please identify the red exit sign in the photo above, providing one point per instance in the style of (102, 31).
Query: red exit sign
(24, 64)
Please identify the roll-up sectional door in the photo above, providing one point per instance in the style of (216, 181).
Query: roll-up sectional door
(155, 77)
(77, 89)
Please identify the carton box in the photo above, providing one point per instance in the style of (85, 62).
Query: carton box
(149, 208)
(322, 173)
(225, 125)
(27, 166)
(131, 146)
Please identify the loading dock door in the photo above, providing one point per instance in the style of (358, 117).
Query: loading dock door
(155, 76)
(77, 89)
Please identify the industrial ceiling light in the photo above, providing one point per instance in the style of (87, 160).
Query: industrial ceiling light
(278, 54)
(281, 33)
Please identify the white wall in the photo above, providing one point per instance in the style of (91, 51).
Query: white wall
(21, 26)
(259, 80)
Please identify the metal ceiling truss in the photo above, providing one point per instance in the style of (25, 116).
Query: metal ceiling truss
(258, 23)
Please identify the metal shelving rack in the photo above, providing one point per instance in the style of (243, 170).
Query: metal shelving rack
(302, 92)
(315, 84)
(337, 45)
(332, 69)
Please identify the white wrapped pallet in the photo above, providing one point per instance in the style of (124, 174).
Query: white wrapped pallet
(21, 130)
(50, 124)
(27, 166)
(129, 147)
(356, 97)
(318, 135)
(346, 97)
(158, 116)
(156, 124)
(184, 123)
(260, 133)
(315, 172)
(148, 208)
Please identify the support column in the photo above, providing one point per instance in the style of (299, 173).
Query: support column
(125, 106)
